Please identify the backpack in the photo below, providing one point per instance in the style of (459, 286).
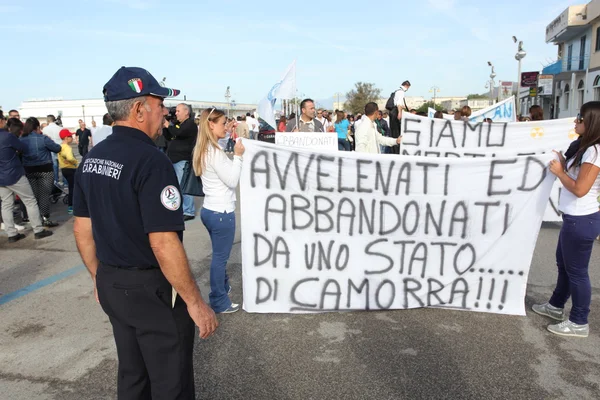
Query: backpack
(389, 105)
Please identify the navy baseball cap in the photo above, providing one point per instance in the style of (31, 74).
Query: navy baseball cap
(130, 82)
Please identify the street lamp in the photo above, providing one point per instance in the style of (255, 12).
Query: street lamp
(435, 90)
(338, 94)
(227, 97)
(519, 56)
(492, 76)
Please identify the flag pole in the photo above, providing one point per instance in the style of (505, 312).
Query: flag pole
(296, 98)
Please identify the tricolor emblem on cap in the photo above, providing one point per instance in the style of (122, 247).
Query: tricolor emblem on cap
(136, 85)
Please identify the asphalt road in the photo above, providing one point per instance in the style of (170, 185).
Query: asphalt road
(56, 343)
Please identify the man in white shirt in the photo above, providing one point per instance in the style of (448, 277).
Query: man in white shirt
(386, 118)
(400, 94)
(357, 121)
(104, 131)
(396, 112)
(253, 125)
(52, 130)
(321, 114)
(368, 139)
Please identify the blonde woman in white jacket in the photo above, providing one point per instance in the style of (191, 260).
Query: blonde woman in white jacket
(220, 177)
(368, 139)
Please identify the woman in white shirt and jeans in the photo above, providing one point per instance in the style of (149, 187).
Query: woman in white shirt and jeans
(220, 177)
(581, 225)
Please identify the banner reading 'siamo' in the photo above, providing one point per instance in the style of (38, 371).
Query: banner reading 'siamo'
(333, 231)
(442, 138)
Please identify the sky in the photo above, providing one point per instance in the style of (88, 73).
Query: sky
(70, 49)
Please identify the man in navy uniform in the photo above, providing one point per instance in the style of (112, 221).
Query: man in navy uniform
(128, 228)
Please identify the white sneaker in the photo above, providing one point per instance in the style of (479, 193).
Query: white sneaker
(568, 328)
(548, 310)
(233, 308)
(19, 228)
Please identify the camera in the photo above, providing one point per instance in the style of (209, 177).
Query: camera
(171, 115)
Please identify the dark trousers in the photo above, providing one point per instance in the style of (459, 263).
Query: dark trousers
(573, 252)
(83, 149)
(154, 340)
(69, 175)
(395, 129)
(41, 185)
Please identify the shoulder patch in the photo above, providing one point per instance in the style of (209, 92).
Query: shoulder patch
(170, 198)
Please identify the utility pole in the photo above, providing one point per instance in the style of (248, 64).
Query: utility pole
(435, 90)
(519, 56)
(227, 97)
(338, 94)
(492, 76)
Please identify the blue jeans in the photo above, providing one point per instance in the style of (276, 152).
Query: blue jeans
(343, 145)
(221, 228)
(229, 147)
(573, 252)
(55, 167)
(189, 208)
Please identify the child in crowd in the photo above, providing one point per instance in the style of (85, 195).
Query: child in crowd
(67, 163)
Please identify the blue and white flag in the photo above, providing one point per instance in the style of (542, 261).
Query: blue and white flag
(284, 89)
(503, 111)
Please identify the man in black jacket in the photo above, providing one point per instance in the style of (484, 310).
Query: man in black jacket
(83, 134)
(182, 139)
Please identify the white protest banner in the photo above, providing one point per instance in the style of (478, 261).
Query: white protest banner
(439, 138)
(333, 231)
(308, 140)
(504, 111)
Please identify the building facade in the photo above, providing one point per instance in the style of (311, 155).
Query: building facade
(577, 69)
(476, 104)
(450, 103)
(71, 111)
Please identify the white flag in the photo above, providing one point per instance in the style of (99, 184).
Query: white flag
(284, 89)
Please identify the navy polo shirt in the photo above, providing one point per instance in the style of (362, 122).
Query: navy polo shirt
(129, 189)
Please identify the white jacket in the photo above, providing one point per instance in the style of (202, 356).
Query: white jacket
(368, 139)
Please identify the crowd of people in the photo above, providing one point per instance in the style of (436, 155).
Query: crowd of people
(49, 164)
(138, 211)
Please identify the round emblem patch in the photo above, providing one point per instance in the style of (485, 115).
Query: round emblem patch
(170, 198)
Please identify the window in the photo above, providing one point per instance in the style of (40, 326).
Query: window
(598, 38)
(566, 96)
(581, 94)
(582, 53)
(597, 88)
(569, 56)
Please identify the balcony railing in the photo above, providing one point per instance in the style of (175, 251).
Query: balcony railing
(579, 63)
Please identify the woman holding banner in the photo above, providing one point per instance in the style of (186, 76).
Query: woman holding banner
(581, 225)
(220, 177)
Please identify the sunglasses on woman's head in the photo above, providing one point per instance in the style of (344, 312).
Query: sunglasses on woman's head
(579, 118)
(211, 111)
